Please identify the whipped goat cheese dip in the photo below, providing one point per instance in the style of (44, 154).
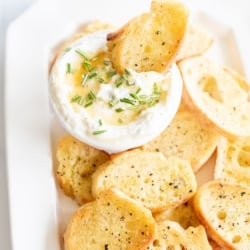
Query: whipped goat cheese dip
(105, 109)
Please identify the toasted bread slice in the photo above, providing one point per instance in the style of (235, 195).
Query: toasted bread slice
(196, 42)
(224, 210)
(233, 161)
(218, 95)
(186, 137)
(215, 246)
(76, 163)
(148, 177)
(112, 221)
(149, 42)
(183, 214)
(170, 235)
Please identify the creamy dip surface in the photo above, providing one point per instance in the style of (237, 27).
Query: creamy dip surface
(106, 109)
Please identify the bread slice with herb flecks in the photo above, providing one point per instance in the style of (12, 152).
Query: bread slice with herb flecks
(150, 42)
(218, 95)
(183, 214)
(233, 161)
(186, 137)
(224, 210)
(76, 163)
(151, 179)
(170, 235)
(113, 221)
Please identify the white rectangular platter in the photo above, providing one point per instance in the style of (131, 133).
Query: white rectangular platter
(38, 209)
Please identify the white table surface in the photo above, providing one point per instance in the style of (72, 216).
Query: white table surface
(9, 10)
(233, 14)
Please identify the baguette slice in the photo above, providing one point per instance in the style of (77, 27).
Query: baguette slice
(215, 246)
(183, 214)
(148, 177)
(186, 137)
(233, 161)
(196, 42)
(170, 235)
(218, 95)
(224, 210)
(150, 42)
(113, 221)
(76, 163)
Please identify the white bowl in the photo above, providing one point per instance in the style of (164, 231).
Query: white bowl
(149, 124)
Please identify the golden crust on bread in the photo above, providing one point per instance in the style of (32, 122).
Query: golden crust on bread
(187, 138)
(149, 42)
(233, 161)
(215, 246)
(148, 177)
(224, 211)
(218, 96)
(76, 163)
(112, 221)
(170, 235)
(182, 214)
